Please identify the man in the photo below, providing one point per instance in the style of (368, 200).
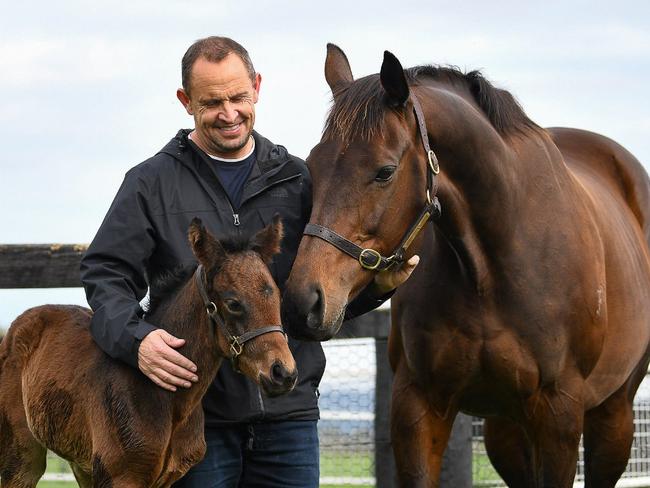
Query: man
(235, 180)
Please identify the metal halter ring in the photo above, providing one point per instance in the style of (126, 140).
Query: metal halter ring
(211, 308)
(373, 253)
(433, 162)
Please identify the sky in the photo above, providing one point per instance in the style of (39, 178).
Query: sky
(88, 88)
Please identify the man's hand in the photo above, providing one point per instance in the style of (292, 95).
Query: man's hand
(388, 280)
(162, 364)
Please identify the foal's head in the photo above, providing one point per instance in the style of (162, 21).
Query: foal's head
(243, 299)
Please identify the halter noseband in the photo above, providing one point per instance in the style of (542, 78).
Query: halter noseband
(371, 259)
(236, 343)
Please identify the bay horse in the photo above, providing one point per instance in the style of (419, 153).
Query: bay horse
(531, 302)
(58, 390)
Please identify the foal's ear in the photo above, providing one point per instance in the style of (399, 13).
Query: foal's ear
(267, 241)
(337, 69)
(393, 80)
(207, 249)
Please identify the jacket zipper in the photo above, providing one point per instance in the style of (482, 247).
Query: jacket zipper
(236, 217)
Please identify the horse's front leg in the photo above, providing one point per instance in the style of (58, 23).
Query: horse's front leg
(554, 423)
(418, 435)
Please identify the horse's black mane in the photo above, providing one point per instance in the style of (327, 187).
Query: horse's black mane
(172, 280)
(359, 108)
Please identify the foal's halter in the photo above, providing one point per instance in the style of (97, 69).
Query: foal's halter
(236, 343)
(370, 258)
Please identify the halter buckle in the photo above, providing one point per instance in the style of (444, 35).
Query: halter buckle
(369, 252)
(236, 348)
(433, 162)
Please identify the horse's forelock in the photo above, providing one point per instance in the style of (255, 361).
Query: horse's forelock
(358, 109)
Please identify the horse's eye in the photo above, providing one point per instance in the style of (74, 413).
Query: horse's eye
(234, 306)
(385, 173)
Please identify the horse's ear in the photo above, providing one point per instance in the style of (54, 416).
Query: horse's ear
(207, 249)
(337, 69)
(393, 80)
(267, 241)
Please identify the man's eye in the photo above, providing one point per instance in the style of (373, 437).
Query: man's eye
(385, 173)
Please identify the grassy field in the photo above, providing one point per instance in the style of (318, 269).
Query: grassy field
(348, 464)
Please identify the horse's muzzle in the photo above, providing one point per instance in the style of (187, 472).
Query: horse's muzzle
(279, 380)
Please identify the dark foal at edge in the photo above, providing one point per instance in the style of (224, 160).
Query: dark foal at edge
(531, 302)
(114, 425)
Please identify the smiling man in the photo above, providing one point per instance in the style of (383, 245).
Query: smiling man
(235, 180)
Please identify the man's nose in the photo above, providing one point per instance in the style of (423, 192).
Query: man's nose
(228, 112)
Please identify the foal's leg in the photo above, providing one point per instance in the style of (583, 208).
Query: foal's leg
(609, 430)
(84, 480)
(509, 450)
(22, 459)
(419, 437)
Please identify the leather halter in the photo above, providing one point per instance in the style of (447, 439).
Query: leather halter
(236, 343)
(371, 259)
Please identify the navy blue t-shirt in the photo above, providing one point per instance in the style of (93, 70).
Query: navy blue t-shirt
(232, 175)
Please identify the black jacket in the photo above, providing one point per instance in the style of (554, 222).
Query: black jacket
(144, 235)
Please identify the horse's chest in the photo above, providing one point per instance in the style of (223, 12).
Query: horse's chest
(471, 368)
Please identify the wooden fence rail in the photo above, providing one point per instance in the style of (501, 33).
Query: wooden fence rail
(57, 266)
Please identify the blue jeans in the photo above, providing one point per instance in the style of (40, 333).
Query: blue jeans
(265, 455)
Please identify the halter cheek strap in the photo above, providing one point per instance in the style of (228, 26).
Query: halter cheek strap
(371, 259)
(235, 342)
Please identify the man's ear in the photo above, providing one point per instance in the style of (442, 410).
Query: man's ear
(256, 86)
(267, 241)
(206, 248)
(185, 100)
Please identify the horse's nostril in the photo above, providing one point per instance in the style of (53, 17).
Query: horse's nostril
(278, 372)
(315, 314)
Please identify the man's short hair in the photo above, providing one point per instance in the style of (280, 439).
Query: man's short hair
(214, 49)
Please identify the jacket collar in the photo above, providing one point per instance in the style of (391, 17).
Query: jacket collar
(268, 155)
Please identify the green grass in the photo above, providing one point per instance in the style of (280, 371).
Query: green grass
(347, 463)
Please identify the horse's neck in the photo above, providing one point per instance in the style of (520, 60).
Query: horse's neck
(184, 316)
(488, 184)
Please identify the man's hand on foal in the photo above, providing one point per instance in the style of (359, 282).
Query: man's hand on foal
(162, 364)
(386, 281)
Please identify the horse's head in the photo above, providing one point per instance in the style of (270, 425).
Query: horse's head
(244, 304)
(370, 184)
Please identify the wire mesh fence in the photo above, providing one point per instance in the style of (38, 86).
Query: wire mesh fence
(347, 426)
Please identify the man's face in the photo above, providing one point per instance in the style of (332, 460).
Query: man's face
(222, 101)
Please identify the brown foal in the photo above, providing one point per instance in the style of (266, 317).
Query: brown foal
(115, 426)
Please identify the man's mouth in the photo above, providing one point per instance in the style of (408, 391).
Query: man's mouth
(229, 129)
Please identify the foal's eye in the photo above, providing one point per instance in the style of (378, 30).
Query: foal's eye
(234, 306)
(385, 173)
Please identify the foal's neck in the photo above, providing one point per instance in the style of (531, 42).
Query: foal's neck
(184, 316)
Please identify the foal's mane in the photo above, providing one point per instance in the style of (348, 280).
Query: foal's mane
(358, 109)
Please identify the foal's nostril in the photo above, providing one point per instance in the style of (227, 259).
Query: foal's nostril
(277, 372)
(280, 376)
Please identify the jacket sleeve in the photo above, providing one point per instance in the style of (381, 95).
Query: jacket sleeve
(113, 272)
(365, 302)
